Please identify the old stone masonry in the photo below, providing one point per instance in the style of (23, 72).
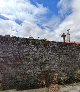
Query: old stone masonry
(26, 62)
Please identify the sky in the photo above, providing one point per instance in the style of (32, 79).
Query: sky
(40, 18)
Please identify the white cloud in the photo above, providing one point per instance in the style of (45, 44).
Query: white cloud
(24, 11)
(72, 21)
(6, 27)
(64, 7)
(31, 15)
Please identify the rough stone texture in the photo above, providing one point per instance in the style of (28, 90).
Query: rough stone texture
(22, 60)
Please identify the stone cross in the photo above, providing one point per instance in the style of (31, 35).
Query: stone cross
(63, 35)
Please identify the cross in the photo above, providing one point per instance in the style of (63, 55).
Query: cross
(63, 35)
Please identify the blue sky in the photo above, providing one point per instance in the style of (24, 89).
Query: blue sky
(50, 4)
(40, 18)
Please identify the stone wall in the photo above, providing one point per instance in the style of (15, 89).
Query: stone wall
(25, 62)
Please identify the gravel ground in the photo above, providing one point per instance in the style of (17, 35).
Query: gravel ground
(70, 89)
(67, 88)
